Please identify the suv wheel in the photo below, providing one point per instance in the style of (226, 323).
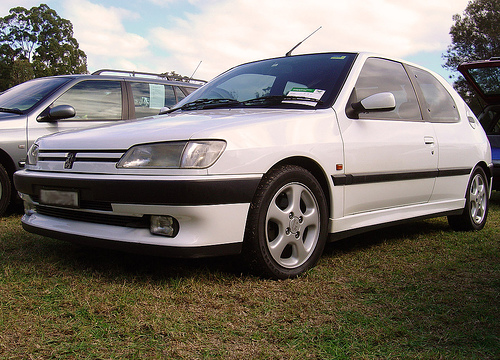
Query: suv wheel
(5, 190)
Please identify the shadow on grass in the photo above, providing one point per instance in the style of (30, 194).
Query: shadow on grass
(68, 257)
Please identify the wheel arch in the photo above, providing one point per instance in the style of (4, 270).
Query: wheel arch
(7, 162)
(487, 170)
(315, 169)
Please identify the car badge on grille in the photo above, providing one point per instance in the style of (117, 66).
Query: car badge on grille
(70, 160)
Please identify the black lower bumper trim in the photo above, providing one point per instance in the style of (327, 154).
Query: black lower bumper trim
(145, 249)
(148, 191)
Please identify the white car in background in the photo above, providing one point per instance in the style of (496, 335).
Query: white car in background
(268, 160)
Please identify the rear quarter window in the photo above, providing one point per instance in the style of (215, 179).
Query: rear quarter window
(437, 103)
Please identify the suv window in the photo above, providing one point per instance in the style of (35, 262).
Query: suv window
(94, 100)
(26, 95)
(438, 103)
(378, 76)
(150, 98)
(180, 95)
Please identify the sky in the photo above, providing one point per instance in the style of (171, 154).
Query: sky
(214, 35)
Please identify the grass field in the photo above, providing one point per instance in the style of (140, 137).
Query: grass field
(419, 291)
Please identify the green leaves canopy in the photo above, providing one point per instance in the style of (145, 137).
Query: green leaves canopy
(40, 38)
(475, 35)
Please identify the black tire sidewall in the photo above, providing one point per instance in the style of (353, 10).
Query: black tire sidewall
(464, 222)
(6, 190)
(473, 224)
(255, 237)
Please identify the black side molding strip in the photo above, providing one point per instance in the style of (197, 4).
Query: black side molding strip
(350, 179)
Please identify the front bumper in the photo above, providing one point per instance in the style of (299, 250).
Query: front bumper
(113, 211)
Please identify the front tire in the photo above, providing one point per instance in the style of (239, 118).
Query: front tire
(476, 205)
(287, 223)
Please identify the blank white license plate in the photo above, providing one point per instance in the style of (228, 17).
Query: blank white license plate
(59, 197)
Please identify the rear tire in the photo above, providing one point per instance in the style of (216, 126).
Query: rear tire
(287, 224)
(476, 205)
(5, 190)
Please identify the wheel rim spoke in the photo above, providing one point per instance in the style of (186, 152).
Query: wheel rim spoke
(477, 199)
(292, 225)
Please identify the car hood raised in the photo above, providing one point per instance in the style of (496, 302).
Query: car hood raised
(177, 126)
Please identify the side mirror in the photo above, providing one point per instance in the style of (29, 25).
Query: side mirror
(377, 102)
(58, 112)
(164, 110)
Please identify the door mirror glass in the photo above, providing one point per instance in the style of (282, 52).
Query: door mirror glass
(377, 102)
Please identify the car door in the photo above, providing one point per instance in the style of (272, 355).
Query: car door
(96, 102)
(390, 156)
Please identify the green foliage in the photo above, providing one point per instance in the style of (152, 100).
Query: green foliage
(35, 43)
(475, 35)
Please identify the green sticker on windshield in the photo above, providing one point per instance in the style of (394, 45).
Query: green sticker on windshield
(338, 57)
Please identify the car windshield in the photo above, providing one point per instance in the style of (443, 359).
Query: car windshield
(308, 81)
(24, 96)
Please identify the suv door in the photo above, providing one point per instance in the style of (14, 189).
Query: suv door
(390, 156)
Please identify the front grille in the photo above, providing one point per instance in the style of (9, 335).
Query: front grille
(97, 218)
(86, 204)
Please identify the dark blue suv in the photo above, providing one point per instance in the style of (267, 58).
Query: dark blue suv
(484, 77)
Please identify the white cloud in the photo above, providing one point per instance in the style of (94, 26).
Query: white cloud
(101, 34)
(225, 33)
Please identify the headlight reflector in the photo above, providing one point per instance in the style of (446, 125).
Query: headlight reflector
(175, 155)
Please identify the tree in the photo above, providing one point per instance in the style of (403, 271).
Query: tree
(40, 39)
(475, 35)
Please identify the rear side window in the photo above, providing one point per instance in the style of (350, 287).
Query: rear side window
(380, 75)
(438, 105)
(94, 100)
(150, 98)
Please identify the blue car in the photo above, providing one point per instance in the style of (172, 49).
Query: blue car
(484, 77)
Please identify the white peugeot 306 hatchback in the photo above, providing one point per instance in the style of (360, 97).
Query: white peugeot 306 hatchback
(269, 160)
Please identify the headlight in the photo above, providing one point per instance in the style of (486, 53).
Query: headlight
(177, 155)
(32, 157)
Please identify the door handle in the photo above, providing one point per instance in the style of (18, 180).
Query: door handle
(428, 140)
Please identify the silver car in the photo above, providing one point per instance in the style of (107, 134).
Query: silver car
(46, 105)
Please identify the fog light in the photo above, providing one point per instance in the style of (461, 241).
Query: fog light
(164, 225)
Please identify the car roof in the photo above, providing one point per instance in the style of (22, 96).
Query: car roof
(134, 75)
(484, 77)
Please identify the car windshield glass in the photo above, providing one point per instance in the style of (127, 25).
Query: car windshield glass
(487, 78)
(308, 81)
(26, 95)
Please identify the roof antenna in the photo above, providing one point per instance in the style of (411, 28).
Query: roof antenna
(296, 46)
(195, 70)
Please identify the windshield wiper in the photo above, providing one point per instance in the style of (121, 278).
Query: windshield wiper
(278, 99)
(206, 104)
(264, 100)
(13, 111)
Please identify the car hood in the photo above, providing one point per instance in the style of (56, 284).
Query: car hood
(198, 124)
(484, 77)
(10, 116)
